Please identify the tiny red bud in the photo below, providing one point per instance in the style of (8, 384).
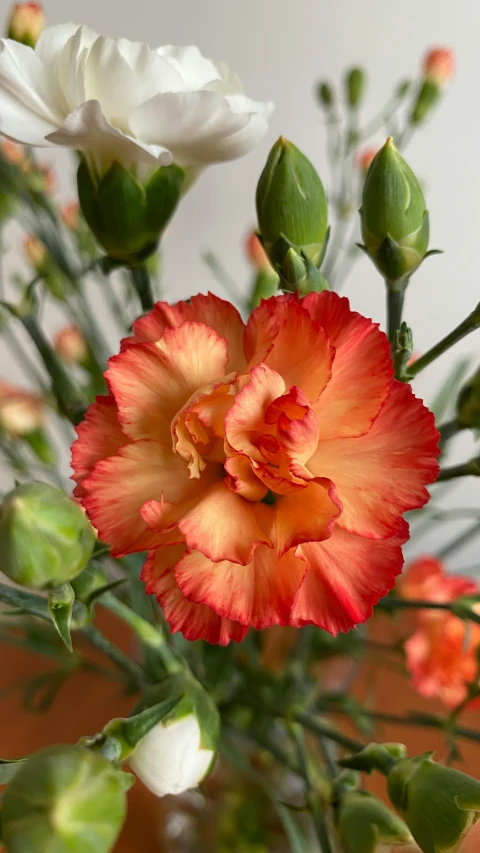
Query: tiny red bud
(70, 345)
(70, 215)
(365, 158)
(256, 253)
(26, 23)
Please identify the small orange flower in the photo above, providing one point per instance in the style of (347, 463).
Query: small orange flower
(35, 251)
(256, 254)
(47, 179)
(268, 466)
(13, 152)
(70, 345)
(439, 65)
(442, 653)
(26, 24)
(21, 412)
(365, 158)
(70, 215)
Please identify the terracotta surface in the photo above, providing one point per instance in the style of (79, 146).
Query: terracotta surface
(86, 703)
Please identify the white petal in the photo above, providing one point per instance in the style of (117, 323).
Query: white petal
(169, 759)
(87, 130)
(198, 127)
(53, 40)
(195, 69)
(27, 111)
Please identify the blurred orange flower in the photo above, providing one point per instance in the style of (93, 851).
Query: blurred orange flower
(21, 411)
(70, 215)
(256, 254)
(439, 65)
(365, 158)
(71, 345)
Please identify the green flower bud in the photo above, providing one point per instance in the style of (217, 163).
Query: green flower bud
(325, 94)
(364, 822)
(178, 752)
(298, 274)
(64, 799)
(439, 804)
(291, 205)
(468, 403)
(354, 86)
(426, 100)
(394, 218)
(126, 216)
(45, 537)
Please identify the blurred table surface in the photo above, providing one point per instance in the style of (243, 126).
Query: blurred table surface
(87, 701)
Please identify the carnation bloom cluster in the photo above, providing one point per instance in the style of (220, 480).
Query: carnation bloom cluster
(265, 467)
(122, 101)
(442, 653)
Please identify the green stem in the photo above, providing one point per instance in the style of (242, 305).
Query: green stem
(464, 470)
(19, 599)
(327, 730)
(415, 721)
(143, 286)
(395, 300)
(468, 325)
(98, 640)
(392, 603)
(70, 399)
(313, 798)
(460, 540)
(449, 429)
(147, 633)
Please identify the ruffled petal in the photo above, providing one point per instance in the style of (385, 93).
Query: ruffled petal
(198, 127)
(259, 594)
(347, 576)
(194, 621)
(99, 436)
(152, 382)
(382, 474)
(300, 351)
(119, 486)
(307, 515)
(245, 422)
(195, 70)
(220, 315)
(361, 370)
(224, 526)
(28, 109)
(242, 480)
(87, 129)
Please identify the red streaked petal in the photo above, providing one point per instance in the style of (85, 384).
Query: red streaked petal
(382, 474)
(194, 621)
(208, 309)
(361, 370)
(347, 576)
(259, 594)
(99, 436)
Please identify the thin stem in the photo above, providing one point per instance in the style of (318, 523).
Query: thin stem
(415, 721)
(327, 730)
(134, 672)
(395, 300)
(141, 281)
(449, 429)
(392, 603)
(461, 540)
(69, 396)
(468, 325)
(147, 633)
(464, 470)
(313, 799)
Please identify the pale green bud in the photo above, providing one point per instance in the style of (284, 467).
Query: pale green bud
(439, 804)
(292, 207)
(126, 216)
(427, 99)
(325, 94)
(394, 218)
(45, 537)
(468, 403)
(178, 752)
(64, 799)
(354, 86)
(364, 823)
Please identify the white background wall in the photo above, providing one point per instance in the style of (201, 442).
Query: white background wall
(280, 48)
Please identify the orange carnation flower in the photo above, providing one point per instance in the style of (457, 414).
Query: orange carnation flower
(266, 468)
(442, 654)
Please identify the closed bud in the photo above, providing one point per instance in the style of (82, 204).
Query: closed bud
(65, 799)
(299, 275)
(178, 752)
(21, 412)
(439, 65)
(45, 537)
(440, 805)
(354, 86)
(325, 94)
(468, 403)
(365, 825)
(70, 345)
(128, 217)
(395, 227)
(291, 205)
(26, 24)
